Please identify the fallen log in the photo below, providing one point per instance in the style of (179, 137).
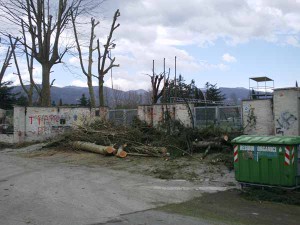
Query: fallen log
(149, 150)
(217, 142)
(90, 147)
(205, 144)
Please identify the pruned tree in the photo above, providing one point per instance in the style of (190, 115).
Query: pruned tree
(29, 59)
(6, 62)
(103, 56)
(156, 81)
(157, 90)
(88, 73)
(43, 21)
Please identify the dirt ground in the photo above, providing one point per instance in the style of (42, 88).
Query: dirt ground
(227, 206)
(194, 169)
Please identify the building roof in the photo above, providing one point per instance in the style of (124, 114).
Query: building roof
(260, 79)
(274, 140)
(287, 88)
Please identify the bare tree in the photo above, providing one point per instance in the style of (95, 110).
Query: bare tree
(88, 73)
(6, 62)
(156, 81)
(44, 21)
(29, 61)
(102, 69)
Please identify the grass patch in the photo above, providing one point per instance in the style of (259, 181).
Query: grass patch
(229, 207)
(5, 145)
(291, 197)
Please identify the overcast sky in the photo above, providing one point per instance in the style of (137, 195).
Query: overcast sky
(219, 41)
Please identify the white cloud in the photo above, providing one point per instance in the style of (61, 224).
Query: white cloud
(202, 22)
(228, 58)
(292, 40)
(125, 81)
(78, 83)
(74, 60)
(152, 30)
(13, 77)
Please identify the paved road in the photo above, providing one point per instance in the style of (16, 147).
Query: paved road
(153, 217)
(38, 192)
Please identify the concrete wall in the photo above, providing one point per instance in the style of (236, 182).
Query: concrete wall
(258, 117)
(154, 114)
(287, 111)
(40, 123)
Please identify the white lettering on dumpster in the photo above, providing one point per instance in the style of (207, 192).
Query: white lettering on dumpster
(257, 148)
(266, 149)
(246, 148)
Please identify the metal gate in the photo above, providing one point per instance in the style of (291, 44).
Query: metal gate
(222, 116)
(122, 116)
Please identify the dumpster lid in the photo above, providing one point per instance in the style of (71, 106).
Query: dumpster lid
(252, 139)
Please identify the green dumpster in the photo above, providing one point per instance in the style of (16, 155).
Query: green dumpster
(267, 160)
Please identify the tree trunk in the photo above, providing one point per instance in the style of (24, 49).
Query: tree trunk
(101, 91)
(30, 91)
(46, 98)
(30, 98)
(90, 147)
(91, 92)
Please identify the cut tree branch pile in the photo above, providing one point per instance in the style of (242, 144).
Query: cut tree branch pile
(107, 139)
(143, 140)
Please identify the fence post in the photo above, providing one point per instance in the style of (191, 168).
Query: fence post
(124, 117)
(218, 115)
(194, 115)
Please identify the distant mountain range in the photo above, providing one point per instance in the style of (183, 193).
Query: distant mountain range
(72, 94)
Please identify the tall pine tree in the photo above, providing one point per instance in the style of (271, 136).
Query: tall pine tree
(213, 93)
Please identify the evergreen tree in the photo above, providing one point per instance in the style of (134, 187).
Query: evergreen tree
(83, 101)
(213, 93)
(22, 101)
(8, 99)
(182, 90)
(60, 102)
(253, 94)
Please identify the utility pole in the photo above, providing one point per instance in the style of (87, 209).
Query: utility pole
(175, 95)
(164, 80)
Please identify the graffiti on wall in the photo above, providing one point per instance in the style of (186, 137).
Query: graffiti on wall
(285, 122)
(249, 111)
(48, 119)
(51, 124)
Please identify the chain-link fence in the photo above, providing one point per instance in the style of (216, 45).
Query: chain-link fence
(7, 122)
(222, 116)
(122, 116)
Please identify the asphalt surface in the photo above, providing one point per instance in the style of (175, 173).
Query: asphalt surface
(35, 191)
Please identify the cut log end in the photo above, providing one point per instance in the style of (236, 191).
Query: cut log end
(110, 150)
(121, 154)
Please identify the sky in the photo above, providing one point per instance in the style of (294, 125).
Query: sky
(223, 42)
